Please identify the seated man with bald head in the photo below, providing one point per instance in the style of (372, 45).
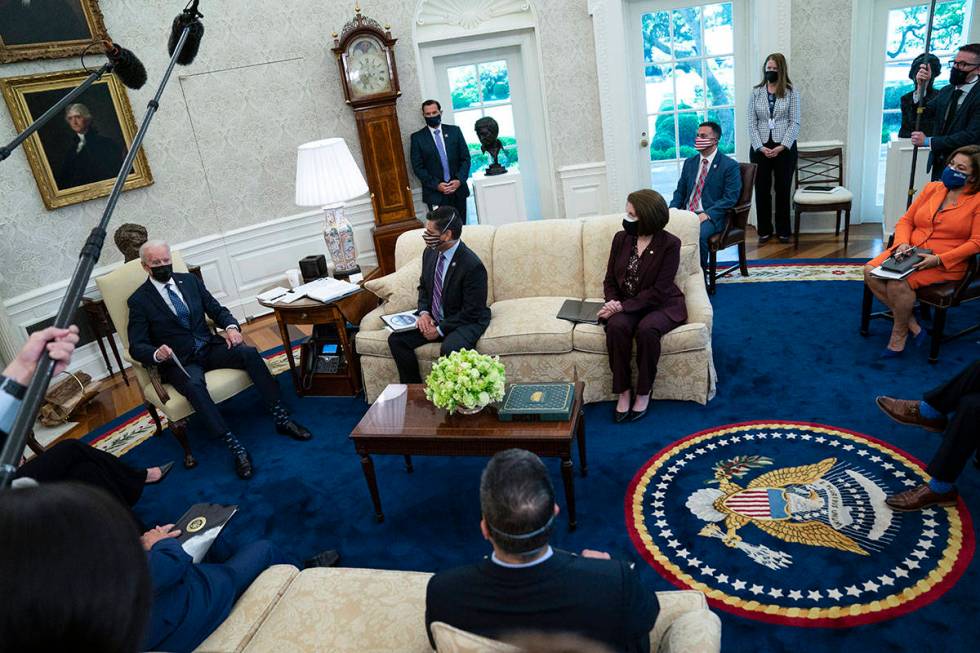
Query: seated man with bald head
(167, 324)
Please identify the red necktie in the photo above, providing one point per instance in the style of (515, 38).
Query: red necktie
(696, 197)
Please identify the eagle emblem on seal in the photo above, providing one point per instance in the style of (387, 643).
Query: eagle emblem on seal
(827, 504)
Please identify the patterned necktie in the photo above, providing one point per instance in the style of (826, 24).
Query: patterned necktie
(951, 110)
(437, 289)
(695, 203)
(442, 155)
(180, 308)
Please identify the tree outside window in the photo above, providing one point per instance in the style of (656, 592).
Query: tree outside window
(478, 90)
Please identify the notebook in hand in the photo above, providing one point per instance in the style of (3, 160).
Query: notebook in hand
(575, 310)
(905, 264)
(200, 526)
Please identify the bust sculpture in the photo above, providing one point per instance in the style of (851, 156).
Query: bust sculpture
(128, 238)
(487, 130)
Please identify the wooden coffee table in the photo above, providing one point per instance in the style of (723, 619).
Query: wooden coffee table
(403, 422)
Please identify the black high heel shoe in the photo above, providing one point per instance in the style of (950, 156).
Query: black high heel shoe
(637, 416)
(619, 417)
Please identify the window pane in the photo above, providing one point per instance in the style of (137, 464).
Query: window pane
(494, 81)
(504, 115)
(462, 86)
(726, 119)
(720, 79)
(687, 129)
(659, 87)
(906, 31)
(891, 121)
(465, 121)
(661, 130)
(690, 87)
(656, 36)
(687, 32)
(719, 37)
(897, 83)
(663, 178)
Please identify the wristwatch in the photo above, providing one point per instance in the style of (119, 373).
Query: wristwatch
(12, 388)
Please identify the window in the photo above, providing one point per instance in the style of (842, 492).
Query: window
(905, 40)
(478, 90)
(689, 71)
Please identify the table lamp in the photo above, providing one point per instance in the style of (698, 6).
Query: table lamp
(327, 176)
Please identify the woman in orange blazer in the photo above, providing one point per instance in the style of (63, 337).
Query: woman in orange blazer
(642, 300)
(945, 218)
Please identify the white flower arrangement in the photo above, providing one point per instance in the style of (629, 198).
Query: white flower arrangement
(465, 379)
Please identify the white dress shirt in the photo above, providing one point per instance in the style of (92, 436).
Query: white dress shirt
(711, 159)
(162, 289)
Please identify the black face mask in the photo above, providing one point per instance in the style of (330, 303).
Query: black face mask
(162, 273)
(433, 121)
(631, 228)
(772, 76)
(957, 76)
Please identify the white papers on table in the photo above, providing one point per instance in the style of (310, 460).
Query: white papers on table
(327, 289)
(272, 295)
(882, 273)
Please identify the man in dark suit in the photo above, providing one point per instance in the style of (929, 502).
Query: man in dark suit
(441, 161)
(167, 329)
(452, 302)
(953, 409)
(709, 185)
(527, 585)
(955, 109)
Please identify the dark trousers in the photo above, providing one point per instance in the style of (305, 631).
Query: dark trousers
(244, 565)
(781, 169)
(708, 229)
(960, 399)
(404, 344)
(71, 460)
(457, 200)
(621, 330)
(212, 357)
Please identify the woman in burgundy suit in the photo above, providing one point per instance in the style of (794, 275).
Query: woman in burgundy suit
(642, 301)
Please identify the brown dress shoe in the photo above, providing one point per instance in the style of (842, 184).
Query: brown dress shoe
(921, 497)
(906, 411)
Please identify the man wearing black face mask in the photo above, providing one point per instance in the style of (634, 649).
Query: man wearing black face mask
(955, 109)
(452, 304)
(167, 328)
(441, 161)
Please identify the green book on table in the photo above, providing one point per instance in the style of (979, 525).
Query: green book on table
(549, 402)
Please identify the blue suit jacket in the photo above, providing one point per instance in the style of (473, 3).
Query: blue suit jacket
(152, 323)
(189, 601)
(428, 168)
(721, 188)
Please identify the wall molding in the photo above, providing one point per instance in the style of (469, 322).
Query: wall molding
(584, 189)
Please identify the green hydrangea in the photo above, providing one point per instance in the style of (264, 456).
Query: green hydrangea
(465, 378)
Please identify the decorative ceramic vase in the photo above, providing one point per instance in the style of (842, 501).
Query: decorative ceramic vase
(339, 236)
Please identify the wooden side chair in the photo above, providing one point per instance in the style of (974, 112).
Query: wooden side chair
(734, 232)
(821, 168)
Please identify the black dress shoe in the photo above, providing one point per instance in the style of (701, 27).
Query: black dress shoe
(784, 239)
(637, 416)
(765, 239)
(164, 470)
(243, 466)
(294, 430)
(620, 416)
(328, 558)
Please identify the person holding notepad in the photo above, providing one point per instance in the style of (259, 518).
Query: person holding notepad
(944, 218)
(642, 300)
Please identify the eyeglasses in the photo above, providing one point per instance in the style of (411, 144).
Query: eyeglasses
(962, 65)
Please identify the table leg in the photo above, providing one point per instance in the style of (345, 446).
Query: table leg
(408, 464)
(284, 334)
(105, 356)
(115, 352)
(568, 478)
(581, 444)
(368, 466)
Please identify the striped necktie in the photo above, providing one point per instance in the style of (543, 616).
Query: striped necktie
(437, 289)
(696, 197)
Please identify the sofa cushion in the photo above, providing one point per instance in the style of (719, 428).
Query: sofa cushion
(347, 610)
(591, 338)
(541, 258)
(398, 290)
(526, 326)
(477, 237)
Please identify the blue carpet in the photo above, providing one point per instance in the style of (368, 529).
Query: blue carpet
(784, 351)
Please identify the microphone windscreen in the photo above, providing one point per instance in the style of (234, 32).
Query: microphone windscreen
(128, 68)
(193, 42)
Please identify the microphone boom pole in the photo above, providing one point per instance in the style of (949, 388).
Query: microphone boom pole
(922, 105)
(13, 448)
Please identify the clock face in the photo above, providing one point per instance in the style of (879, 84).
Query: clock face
(367, 67)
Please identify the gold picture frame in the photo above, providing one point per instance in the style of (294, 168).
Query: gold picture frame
(73, 164)
(48, 29)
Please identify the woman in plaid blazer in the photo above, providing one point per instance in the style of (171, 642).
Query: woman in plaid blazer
(774, 125)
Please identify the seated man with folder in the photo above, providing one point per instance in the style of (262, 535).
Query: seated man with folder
(452, 303)
(167, 328)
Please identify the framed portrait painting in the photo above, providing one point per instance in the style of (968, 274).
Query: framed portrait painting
(77, 155)
(48, 29)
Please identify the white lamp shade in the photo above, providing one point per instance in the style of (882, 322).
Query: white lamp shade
(326, 174)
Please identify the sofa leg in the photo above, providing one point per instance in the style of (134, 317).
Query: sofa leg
(179, 429)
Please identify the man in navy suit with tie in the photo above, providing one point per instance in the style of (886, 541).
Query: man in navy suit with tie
(709, 185)
(452, 305)
(441, 161)
(167, 329)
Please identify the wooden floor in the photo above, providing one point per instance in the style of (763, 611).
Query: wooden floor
(115, 397)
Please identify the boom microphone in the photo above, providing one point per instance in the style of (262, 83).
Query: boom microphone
(128, 68)
(187, 19)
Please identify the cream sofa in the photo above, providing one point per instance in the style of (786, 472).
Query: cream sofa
(340, 610)
(533, 267)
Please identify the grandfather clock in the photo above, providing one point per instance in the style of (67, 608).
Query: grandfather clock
(366, 57)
